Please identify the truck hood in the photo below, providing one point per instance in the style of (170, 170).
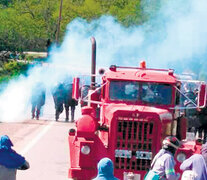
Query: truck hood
(163, 114)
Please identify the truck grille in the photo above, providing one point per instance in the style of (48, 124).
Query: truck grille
(134, 144)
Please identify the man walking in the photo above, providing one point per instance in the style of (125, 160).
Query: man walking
(162, 166)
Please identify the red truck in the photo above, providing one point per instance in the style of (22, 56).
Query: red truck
(126, 119)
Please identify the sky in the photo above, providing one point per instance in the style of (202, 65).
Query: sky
(173, 38)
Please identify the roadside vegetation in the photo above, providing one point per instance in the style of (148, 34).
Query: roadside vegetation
(12, 69)
(12, 65)
(26, 25)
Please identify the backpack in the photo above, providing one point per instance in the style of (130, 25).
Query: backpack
(151, 175)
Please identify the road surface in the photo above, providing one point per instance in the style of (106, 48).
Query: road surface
(44, 144)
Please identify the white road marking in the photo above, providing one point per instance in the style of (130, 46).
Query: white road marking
(37, 138)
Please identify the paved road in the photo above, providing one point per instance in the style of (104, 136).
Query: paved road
(44, 144)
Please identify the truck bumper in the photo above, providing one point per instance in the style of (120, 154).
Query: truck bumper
(82, 174)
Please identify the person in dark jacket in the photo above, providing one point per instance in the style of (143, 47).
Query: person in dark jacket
(105, 170)
(69, 102)
(48, 46)
(197, 163)
(58, 97)
(37, 100)
(10, 161)
(202, 129)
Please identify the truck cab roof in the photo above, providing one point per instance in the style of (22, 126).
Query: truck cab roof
(141, 74)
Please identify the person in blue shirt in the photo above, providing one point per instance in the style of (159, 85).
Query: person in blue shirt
(58, 97)
(197, 163)
(10, 161)
(105, 170)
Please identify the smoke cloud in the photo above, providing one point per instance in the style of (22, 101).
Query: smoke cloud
(174, 37)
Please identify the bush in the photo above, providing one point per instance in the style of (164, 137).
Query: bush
(12, 69)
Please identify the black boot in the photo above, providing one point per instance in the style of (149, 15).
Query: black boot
(66, 114)
(72, 115)
(56, 115)
(37, 114)
(33, 113)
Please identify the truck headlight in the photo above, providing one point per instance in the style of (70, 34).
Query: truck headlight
(181, 157)
(85, 149)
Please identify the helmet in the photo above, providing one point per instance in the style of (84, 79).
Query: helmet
(171, 142)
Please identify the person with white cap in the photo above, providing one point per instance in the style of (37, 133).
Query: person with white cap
(162, 166)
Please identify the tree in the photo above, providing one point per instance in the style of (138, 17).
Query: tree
(5, 3)
(27, 24)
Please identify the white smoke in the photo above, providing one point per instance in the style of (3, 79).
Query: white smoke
(185, 29)
(175, 34)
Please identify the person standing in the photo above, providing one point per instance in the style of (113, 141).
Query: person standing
(197, 164)
(48, 46)
(10, 161)
(202, 129)
(69, 102)
(58, 97)
(162, 166)
(37, 100)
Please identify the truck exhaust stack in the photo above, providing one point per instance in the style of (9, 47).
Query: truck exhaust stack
(93, 64)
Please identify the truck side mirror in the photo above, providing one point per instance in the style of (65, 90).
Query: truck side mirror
(75, 92)
(202, 95)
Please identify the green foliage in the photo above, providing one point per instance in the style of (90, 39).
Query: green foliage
(5, 3)
(27, 24)
(127, 12)
(12, 69)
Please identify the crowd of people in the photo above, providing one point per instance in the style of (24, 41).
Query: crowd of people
(162, 167)
(62, 96)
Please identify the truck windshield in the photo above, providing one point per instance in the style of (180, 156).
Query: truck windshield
(124, 90)
(151, 93)
(156, 93)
